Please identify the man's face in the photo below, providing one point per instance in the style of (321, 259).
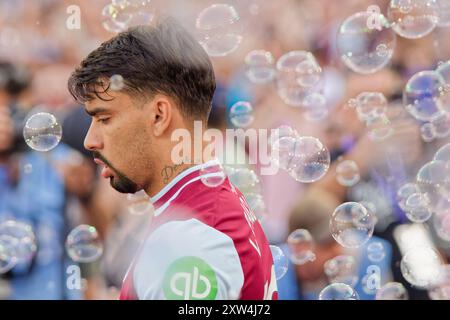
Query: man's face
(119, 137)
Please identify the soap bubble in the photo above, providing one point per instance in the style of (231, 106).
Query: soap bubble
(282, 131)
(301, 246)
(379, 128)
(352, 225)
(212, 175)
(440, 288)
(444, 71)
(280, 262)
(256, 203)
(375, 251)
(347, 173)
(116, 82)
(338, 291)
(83, 244)
(441, 223)
(310, 160)
(341, 269)
(259, 64)
(365, 50)
(42, 132)
(219, 29)
(315, 107)
(371, 105)
(441, 125)
(417, 207)
(139, 203)
(420, 266)
(7, 253)
(282, 151)
(241, 114)
(19, 240)
(444, 13)
(246, 180)
(427, 132)
(309, 73)
(289, 77)
(422, 95)
(413, 19)
(392, 291)
(443, 154)
(115, 18)
(404, 192)
(433, 180)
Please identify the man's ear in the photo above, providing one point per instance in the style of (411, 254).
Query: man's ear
(162, 113)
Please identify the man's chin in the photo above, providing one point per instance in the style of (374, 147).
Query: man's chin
(123, 186)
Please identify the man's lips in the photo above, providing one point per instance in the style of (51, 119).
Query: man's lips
(106, 172)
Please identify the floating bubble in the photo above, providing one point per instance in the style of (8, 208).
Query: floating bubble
(421, 266)
(338, 291)
(427, 132)
(440, 288)
(309, 73)
(115, 18)
(392, 291)
(417, 208)
(371, 105)
(256, 204)
(404, 192)
(347, 173)
(301, 245)
(444, 70)
(241, 114)
(219, 29)
(316, 107)
(352, 225)
(413, 19)
(280, 262)
(83, 244)
(379, 128)
(282, 131)
(212, 175)
(246, 180)
(139, 203)
(443, 154)
(310, 160)
(375, 251)
(42, 132)
(433, 180)
(443, 13)
(18, 238)
(441, 223)
(260, 66)
(287, 78)
(341, 269)
(282, 152)
(362, 49)
(116, 82)
(7, 253)
(422, 95)
(441, 125)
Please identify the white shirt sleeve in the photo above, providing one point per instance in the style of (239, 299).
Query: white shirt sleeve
(188, 260)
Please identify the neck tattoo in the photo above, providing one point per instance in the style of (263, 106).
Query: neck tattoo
(168, 172)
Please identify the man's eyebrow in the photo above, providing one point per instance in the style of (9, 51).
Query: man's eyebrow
(95, 111)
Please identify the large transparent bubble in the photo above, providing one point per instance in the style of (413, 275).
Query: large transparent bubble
(219, 29)
(352, 225)
(413, 19)
(421, 266)
(422, 95)
(42, 132)
(338, 291)
(260, 66)
(362, 49)
(83, 244)
(301, 246)
(341, 269)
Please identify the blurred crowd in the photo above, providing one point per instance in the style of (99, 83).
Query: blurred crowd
(58, 190)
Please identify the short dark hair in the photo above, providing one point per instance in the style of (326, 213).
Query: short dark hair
(163, 58)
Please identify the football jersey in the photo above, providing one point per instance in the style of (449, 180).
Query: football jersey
(204, 243)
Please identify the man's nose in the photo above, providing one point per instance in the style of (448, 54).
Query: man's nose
(92, 141)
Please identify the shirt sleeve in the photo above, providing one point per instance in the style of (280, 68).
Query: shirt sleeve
(188, 260)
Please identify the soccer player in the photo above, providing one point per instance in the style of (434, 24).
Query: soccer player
(204, 242)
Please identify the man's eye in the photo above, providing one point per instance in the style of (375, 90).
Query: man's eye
(103, 120)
